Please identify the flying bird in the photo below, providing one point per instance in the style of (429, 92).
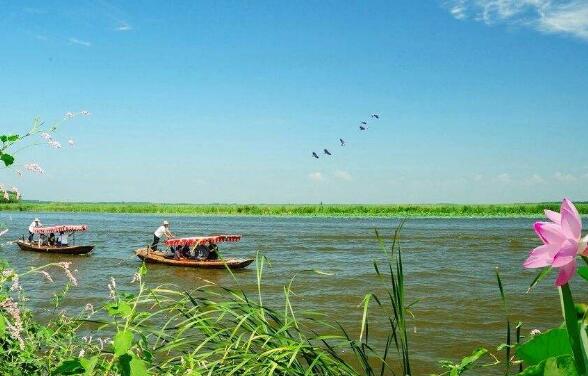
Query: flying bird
(376, 116)
(361, 127)
(364, 122)
(327, 152)
(315, 155)
(342, 141)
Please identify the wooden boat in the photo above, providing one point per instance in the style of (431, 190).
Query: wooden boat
(68, 250)
(36, 246)
(148, 255)
(155, 257)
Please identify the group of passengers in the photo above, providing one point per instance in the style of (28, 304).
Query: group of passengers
(61, 240)
(199, 252)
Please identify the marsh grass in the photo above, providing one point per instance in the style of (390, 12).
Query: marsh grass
(330, 210)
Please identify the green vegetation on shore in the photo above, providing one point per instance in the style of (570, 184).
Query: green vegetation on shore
(306, 210)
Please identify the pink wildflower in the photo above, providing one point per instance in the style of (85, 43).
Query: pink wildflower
(46, 136)
(15, 283)
(136, 278)
(14, 328)
(90, 308)
(54, 144)
(65, 266)
(562, 242)
(112, 288)
(47, 275)
(33, 167)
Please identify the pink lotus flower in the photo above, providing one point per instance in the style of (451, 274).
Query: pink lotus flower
(562, 242)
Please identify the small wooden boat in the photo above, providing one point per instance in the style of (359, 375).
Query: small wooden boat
(68, 250)
(148, 255)
(37, 246)
(155, 257)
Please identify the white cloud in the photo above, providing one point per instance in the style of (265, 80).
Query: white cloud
(503, 178)
(548, 16)
(316, 176)
(564, 177)
(123, 26)
(343, 175)
(536, 179)
(80, 42)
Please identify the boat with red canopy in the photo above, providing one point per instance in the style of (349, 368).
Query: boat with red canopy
(193, 243)
(42, 245)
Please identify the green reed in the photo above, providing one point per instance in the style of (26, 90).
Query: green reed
(330, 210)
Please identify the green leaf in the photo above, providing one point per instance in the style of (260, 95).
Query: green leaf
(122, 342)
(2, 326)
(540, 276)
(583, 272)
(467, 362)
(7, 159)
(138, 367)
(552, 343)
(89, 365)
(124, 365)
(69, 367)
(120, 308)
(556, 366)
(9, 138)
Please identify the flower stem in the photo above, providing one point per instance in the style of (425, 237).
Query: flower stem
(573, 328)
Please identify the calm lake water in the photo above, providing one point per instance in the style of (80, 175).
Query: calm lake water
(449, 265)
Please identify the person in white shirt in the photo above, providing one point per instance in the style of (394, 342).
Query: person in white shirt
(161, 231)
(35, 223)
(63, 239)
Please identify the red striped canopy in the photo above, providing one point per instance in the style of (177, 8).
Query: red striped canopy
(59, 228)
(195, 240)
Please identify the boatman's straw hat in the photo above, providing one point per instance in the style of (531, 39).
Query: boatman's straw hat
(36, 220)
(165, 223)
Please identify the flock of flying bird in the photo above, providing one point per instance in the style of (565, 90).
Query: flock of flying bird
(363, 127)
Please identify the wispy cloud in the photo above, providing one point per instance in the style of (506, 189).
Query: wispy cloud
(343, 175)
(536, 179)
(504, 178)
(548, 16)
(123, 26)
(565, 177)
(316, 176)
(80, 42)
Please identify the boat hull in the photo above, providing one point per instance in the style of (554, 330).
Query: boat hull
(69, 250)
(158, 258)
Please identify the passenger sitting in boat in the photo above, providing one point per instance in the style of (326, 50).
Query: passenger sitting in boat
(62, 239)
(213, 249)
(185, 252)
(201, 252)
(162, 230)
(35, 223)
(51, 239)
(170, 253)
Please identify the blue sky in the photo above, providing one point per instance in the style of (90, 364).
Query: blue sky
(480, 101)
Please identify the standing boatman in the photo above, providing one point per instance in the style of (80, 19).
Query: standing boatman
(35, 223)
(162, 230)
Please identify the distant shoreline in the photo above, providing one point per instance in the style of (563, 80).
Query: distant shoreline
(295, 210)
